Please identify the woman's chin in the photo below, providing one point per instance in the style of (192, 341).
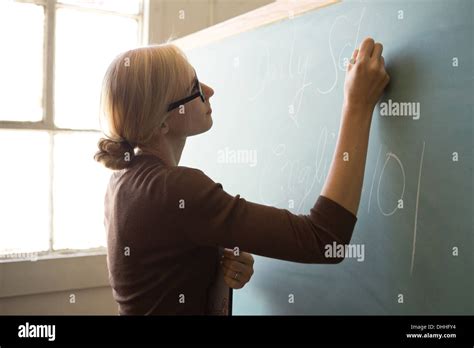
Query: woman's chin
(210, 121)
(206, 125)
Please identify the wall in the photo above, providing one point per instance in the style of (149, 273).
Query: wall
(178, 18)
(61, 285)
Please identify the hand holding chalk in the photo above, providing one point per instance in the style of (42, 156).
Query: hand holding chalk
(366, 77)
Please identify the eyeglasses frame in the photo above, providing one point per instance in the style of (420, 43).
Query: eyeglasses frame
(183, 101)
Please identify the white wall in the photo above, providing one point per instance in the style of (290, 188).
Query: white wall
(178, 18)
(63, 285)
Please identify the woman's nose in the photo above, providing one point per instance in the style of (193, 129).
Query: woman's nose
(208, 91)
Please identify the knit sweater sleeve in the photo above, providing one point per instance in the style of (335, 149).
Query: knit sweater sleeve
(209, 216)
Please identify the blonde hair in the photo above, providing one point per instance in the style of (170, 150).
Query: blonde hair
(136, 91)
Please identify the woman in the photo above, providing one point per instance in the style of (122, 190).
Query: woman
(166, 223)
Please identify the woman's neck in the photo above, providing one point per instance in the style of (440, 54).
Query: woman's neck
(167, 149)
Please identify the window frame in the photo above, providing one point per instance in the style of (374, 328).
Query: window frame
(47, 122)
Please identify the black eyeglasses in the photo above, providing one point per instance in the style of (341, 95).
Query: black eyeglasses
(199, 93)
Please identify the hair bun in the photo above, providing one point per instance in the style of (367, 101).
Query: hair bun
(115, 154)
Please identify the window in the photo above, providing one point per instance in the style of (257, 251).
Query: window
(54, 56)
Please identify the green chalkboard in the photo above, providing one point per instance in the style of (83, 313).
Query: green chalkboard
(276, 110)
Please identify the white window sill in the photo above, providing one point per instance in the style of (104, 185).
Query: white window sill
(47, 255)
(59, 271)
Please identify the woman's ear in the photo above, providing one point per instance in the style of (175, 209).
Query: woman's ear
(164, 128)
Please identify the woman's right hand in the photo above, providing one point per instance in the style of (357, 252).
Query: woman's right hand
(366, 78)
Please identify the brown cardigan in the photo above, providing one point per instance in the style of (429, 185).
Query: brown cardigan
(164, 225)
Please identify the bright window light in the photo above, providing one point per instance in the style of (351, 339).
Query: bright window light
(79, 190)
(24, 192)
(51, 189)
(21, 61)
(122, 6)
(86, 43)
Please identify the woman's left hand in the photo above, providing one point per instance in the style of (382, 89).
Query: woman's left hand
(237, 269)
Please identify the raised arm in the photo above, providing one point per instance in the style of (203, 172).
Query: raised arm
(365, 82)
(212, 217)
